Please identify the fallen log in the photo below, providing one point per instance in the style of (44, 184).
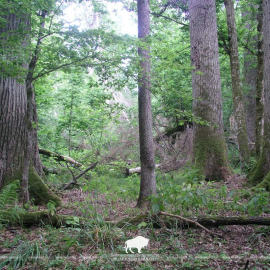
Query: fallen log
(137, 170)
(165, 167)
(29, 219)
(58, 157)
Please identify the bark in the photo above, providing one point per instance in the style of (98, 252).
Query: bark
(147, 158)
(250, 76)
(19, 158)
(260, 173)
(238, 106)
(58, 157)
(259, 82)
(209, 148)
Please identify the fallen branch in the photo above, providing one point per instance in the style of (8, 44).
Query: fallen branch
(165, 167)
(74, 181)
(58, 157)
(192, 222)
(137, 170)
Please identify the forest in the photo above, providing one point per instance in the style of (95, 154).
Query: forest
(134, 134)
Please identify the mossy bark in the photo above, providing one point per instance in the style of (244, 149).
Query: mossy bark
(238, 105)
(259, 82)
(42, 218)
(260, 174)
(209, 152)
(39, 190)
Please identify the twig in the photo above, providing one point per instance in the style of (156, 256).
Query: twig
(193, 222)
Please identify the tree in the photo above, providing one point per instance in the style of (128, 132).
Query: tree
(147, 158)
(19, 158)
(209, 149)
(260, 174)
(249, 14)
(259, 81)
(238, 106)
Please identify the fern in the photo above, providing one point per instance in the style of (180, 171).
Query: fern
(9, 194)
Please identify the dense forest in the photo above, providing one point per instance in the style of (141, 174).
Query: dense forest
(135, 127)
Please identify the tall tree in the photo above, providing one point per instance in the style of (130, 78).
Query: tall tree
(19, 157)
(249, 14)
(259, 81)
(260, 174)
(238, 106)
(209, 150)
(147, 158)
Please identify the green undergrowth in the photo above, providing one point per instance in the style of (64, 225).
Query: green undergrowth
(110, 194)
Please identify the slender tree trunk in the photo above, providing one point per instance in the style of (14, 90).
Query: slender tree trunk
(209, 150)
(259, 82)
(148, 181)
(250, 74)
(260, 174)
(238, 106)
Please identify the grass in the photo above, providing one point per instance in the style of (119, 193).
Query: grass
(110, 195)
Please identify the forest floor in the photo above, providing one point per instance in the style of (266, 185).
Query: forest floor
(101, 246)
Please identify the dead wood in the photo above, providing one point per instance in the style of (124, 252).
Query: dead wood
(28, 219)
(164, 167)
(58, 157)
(74, 181)
(192, 222)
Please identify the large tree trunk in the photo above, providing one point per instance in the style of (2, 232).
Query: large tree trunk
(209, 153)
(148, 181)
(19, 158)
(238, 106)
(259, 82)
(261, 172)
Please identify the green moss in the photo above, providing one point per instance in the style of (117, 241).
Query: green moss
(265, 183)
(257, 174)
(210, 155)
(39, 190)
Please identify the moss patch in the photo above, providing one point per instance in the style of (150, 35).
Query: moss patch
(39, 190)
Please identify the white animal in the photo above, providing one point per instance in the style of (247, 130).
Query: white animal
(138, 242)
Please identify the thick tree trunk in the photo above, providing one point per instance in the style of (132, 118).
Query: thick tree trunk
(261, 172)
(259, 82)
(209, 152)
(19, 158)
(238, 106)
(148, 181)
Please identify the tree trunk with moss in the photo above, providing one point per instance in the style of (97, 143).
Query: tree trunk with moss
(147, 158)
(209, 149)
(259, 82)
(260, 174)
(238, 106)
(19, 157)
(250, 72)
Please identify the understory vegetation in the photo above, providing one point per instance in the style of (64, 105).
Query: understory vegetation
(106, 195)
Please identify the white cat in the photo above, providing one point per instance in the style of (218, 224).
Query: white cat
(138, 242)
